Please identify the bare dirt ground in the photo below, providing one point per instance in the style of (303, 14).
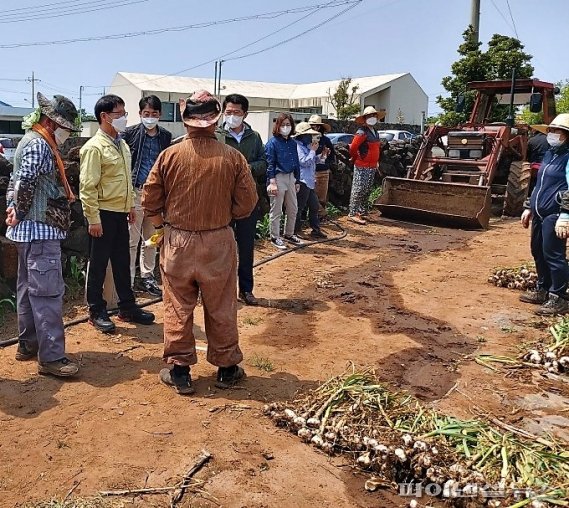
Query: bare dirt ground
(411, 301)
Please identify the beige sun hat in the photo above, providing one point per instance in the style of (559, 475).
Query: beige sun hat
(368, 111)
(304, 128)
(317, 120)
(561, 121)
(540, 127)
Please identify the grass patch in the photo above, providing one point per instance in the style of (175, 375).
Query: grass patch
(93, 502)
(7, 305)
(332, 211)
(252, 321)
(262, 363)
(375, 193)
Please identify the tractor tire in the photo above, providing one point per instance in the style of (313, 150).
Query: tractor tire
(516, 189)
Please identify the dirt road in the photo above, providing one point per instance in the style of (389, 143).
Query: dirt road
(410, 301)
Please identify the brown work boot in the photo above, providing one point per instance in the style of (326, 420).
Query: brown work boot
(538, 297)
(26, 352)
(228, 376)
(60, 368)
(554, 306)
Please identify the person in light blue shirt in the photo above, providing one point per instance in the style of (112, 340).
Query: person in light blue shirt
(307, 142)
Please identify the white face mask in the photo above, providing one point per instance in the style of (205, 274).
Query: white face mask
(61, 135)
(372, 120)
(119, 124)
(554, 139)
(233, 121)
(150, 122)
(285, 130)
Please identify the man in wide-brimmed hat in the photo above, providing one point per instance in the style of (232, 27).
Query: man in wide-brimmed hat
(38, 218)
(365, 151)
(323, 168)
(193, 192)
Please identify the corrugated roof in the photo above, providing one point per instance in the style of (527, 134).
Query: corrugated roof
(186, 85)
(15, 112)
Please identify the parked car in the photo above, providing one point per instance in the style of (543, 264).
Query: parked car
(395, 135)
(340, 137)
(9, 145)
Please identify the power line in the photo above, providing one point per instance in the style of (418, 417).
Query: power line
(156, 31)
(46, 7)
(313, 10)
(314, 27)
(512, 18)
(69, 11)
(501, 14)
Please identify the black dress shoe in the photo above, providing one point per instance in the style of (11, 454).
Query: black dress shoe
(137, 315)
(102, 322)
(318, 234)
(228, 376)
(26, 352)
(248, 298)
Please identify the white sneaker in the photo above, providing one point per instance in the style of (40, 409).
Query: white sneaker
(294, 239)
(278, 243)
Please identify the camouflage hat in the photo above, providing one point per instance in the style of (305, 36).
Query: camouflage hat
(61, 110)
(200, 110)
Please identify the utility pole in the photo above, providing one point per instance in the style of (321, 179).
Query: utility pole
(475, 19)
(80, 102)
(33, 80)
(219, 80)
(215, 80)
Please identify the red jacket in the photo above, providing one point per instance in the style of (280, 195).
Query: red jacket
(365, 148)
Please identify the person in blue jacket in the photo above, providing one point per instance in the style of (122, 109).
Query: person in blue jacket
(283, 180)
(549, 215)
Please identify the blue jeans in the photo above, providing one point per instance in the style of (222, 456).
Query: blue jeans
(548, 251)
(40, 298)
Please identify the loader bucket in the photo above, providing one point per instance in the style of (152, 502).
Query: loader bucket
(452, 204)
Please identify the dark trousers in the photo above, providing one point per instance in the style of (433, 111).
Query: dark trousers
(548, 251)
(113, 246)
(308, 197)
(245, 230)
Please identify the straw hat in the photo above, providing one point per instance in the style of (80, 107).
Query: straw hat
(561, 121)
(304, 128)
(317, 120)
(61, 110)
(201, 109)
(368, 111)
(540, 127)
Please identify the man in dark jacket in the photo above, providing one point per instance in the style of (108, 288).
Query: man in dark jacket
(323, 168)
(146, 140)
(239, 135)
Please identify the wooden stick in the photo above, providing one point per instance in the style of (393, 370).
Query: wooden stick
(71, 490)
(203, 459)
(128, 492)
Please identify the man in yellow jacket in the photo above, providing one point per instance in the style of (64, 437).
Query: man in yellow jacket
(108, 204)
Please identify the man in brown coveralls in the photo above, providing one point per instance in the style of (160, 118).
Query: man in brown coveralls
(194, 191)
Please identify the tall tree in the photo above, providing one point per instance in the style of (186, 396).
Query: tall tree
(343, 99)
(503, 54)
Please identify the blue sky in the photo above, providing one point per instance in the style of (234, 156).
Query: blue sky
(375, 37)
